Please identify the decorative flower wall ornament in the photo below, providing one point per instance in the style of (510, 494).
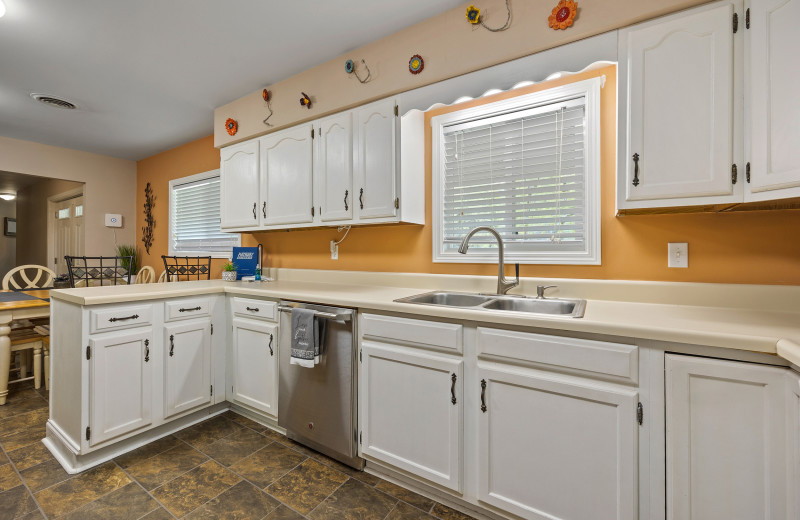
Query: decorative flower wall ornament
(231, 126)
(416, 64)
(563, 15)
(350, 68)
(305, 101)
(474, 17)
(267, 97)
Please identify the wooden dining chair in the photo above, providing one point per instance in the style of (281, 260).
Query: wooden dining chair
(146, 275)
(29, 276)
(162, 278)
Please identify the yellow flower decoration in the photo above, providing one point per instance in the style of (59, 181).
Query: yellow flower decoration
(563, 14)
(473, 15)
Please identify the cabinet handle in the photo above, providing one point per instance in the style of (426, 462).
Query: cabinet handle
(346, 193)
(636, 169)
(132, 317)
(483, 395)
(189, 310)
(171, 345)
(264, 210)
(252, 309)
(453, 388)
(146, 350)
(255, 205)
(271, 352)
(361, 198)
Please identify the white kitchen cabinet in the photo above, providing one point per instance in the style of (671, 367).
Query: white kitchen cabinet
(773, 44)
(286, 177)
(239, 186)
(793, 381)
(553, 446)
(187, 366)
(726, 440)
(120, 384)
(254, 365)
(333, 167)
(376, 161)
(681, 110)
(411, 407)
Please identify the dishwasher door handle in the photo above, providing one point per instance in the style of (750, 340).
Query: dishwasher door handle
(325, 315)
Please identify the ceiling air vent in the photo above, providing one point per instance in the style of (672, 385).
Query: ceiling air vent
(54, 101)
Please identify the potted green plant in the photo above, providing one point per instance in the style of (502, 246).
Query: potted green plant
(132, 251)
(229, 271)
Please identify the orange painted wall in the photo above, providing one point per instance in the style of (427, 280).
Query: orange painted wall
(743, 247)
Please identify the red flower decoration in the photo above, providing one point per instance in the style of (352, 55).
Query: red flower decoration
(305, 101)
(231, 126)
(563, 15)
(266, 94)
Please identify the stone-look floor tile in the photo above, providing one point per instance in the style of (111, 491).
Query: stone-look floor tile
(14, 441)
(24, 421)
(284, 513)
(268, 464)
(33, 515)
(81, 489)
(195, 488)
(403, 511)
(44, 475)
(354, 500)
(148, 450)
(416, 500)
(448, 513)
(8, 477)
(30, 456)
(364, 477)
(235, 447)
(208, 432)
(307, 485)
(243, 501)
(27, 405)
(296, 446)
(129, 502)
(16, 502)
(165, 466)
(158, 514)
(245, 421)
(3, 458)
(272, 434)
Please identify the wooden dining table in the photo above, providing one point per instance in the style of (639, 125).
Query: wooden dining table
(17, 308)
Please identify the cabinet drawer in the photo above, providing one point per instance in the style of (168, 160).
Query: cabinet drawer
(105, 319)
(265, 310)
(185, 309)
(603, 359)
(426, 334)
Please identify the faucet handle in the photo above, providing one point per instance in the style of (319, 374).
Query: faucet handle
(540, 289)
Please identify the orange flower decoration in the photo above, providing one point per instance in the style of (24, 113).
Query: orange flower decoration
(231, 126)
(563, 14)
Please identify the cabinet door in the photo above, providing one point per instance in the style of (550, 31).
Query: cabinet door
(286, 172)
(120, 384)
(550, 446)
(187, 366)
(420, 395)
(773, 76)
(254, 361)
(376, 160)
(726, 448)
(239, 186)
(793, 482)
(333, 165)
(680, 108)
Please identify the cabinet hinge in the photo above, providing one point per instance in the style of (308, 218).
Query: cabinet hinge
(396, 111)
(88, 433)
(747, 18)
(361, 355)
(747, 173)
(734, 174)
(212, 329)
(361, 437)
(735, 22)
(211, 390)
(312, 211)
(397, 203)
(312, 133)
(639, 413)
(88, 352)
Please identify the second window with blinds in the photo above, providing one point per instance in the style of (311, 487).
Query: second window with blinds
(527, 166)
(194, 222)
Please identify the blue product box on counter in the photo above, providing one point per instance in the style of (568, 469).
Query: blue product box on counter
(246, 260)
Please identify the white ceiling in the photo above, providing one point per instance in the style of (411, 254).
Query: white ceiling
(147, 74)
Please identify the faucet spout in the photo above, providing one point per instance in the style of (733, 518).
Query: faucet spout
(503, 285)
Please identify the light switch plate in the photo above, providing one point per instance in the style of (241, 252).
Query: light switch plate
(678, 254)
(113, 220)
(334, 250)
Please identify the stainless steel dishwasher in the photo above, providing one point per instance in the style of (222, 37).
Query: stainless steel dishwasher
(317, 406)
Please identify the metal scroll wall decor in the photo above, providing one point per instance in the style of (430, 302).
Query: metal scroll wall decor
(149, 221)
(474, 17)
(350, 68)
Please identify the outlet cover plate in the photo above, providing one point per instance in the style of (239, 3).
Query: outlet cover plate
(678, 254)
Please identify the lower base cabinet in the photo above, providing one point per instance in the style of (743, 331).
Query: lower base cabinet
(187, 366)
(254, 365)
(552, 446)
(412, 411)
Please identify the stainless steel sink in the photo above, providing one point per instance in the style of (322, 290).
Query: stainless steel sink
(495, 303)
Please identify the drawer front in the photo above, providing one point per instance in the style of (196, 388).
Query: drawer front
(602, 359)
(115, 318)
(419, 333)
(262, 309)
(186, 309)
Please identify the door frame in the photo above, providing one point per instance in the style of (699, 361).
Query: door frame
(51, 221)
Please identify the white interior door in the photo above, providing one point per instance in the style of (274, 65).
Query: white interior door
(68, 232)
(286, 176)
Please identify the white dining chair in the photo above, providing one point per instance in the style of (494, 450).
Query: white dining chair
(29, 276)
(146, 275)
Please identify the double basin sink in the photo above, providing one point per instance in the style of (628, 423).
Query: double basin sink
(496, 302)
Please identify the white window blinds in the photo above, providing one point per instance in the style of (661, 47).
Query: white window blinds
(522, 173)
(195, 220)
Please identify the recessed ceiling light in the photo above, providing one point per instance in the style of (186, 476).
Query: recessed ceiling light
(8, 195)
(52, 101)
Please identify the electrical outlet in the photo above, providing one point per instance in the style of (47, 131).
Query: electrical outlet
(334, 250)
(678, 254)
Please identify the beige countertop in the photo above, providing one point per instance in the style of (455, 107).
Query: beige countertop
(764, 327)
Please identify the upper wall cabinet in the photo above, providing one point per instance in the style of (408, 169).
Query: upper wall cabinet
(683, 113)
(333, 167)
(286, 177)
(239, 170)
(376, 160)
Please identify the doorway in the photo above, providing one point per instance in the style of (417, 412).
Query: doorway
(65, 229)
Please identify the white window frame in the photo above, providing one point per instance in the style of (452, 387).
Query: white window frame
(588, 89)
(175, 183)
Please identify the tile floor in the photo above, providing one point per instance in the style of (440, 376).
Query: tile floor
(226, 467)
